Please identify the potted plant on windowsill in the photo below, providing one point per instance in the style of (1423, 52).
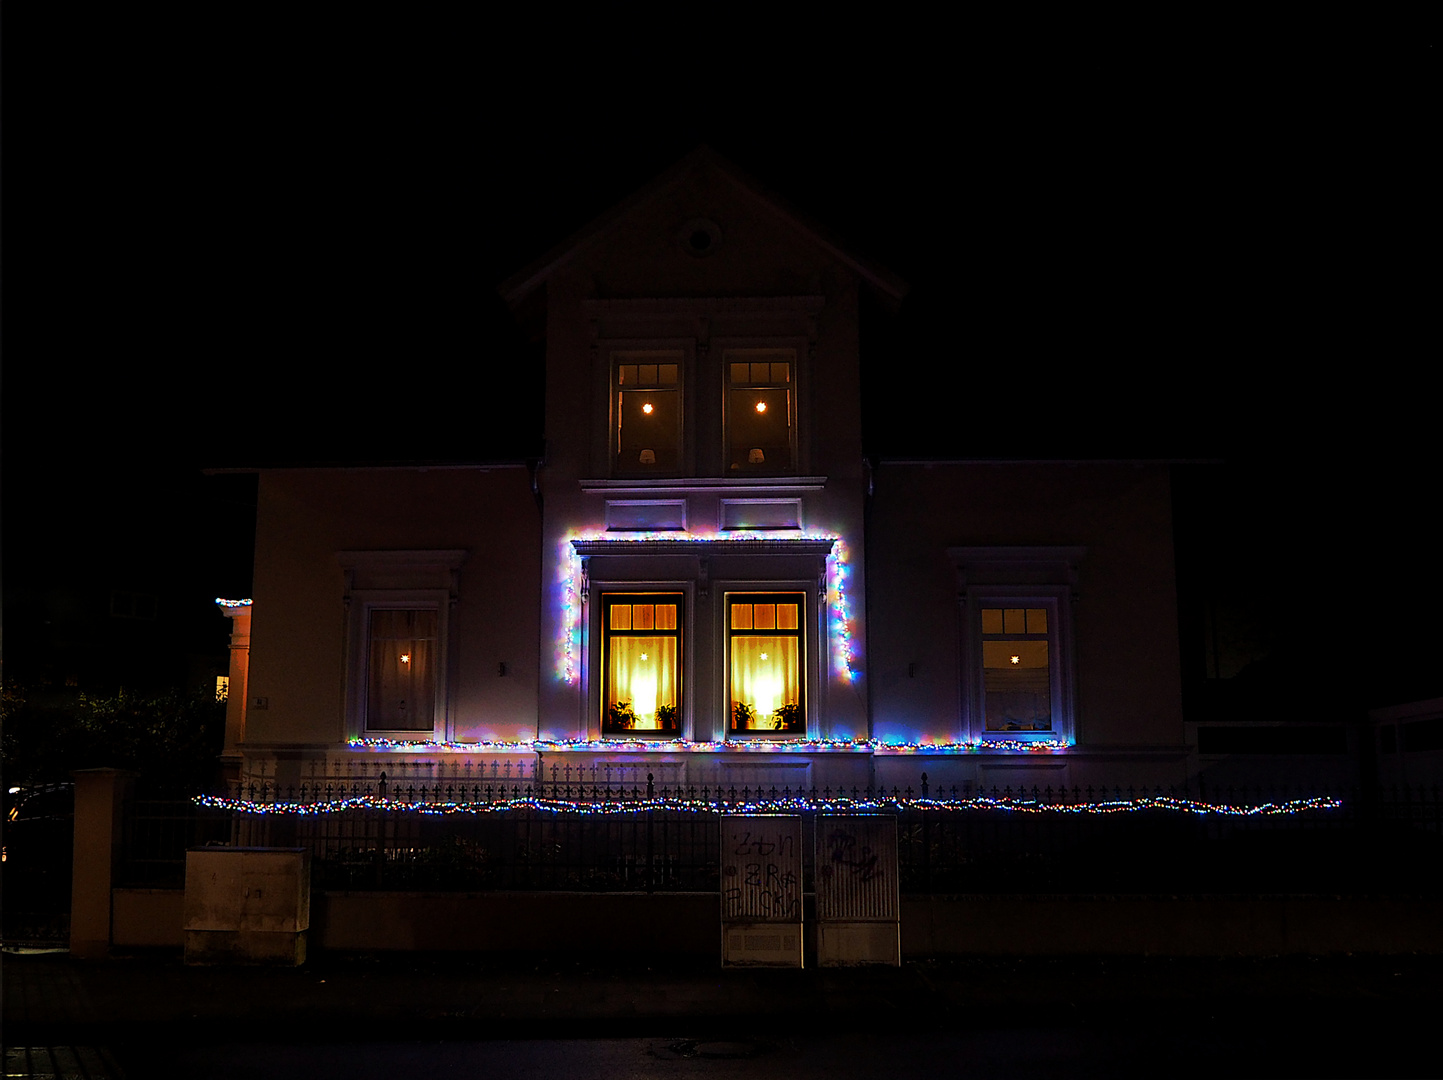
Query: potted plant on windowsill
(666, 717)
(787, 717)
(620, 715)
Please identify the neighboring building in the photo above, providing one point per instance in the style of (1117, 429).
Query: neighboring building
(706, 561)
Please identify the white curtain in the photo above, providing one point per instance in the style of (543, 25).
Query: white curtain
(402, 694)
(766, 674)
(642, 673)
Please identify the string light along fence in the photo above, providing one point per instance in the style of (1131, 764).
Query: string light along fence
(525, 833)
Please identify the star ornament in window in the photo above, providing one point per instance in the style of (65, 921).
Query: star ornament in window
(646, 408)
(761, 406)
(764, 656)
(645, 657)
(1017, 659)
(405, 658)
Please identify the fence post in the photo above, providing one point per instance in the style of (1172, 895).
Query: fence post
(650, 828)
(100, 803)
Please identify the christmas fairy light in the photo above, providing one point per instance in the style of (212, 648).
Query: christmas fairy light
(725, 746)
(232, 603)
(763, 805)
(841, 623)
(568, 592)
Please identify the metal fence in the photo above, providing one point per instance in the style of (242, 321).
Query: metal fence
(363, 835)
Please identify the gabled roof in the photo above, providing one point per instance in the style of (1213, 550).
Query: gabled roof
(519, 285)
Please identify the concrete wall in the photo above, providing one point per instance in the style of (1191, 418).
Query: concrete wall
(689, 924)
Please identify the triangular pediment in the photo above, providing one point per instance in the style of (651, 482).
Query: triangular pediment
(702, 161)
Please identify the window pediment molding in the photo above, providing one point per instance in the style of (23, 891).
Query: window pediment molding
(402, 569)
(708, 483)
(587, 548)
(1016, 566)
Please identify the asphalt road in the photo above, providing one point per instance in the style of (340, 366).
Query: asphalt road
(359, 1017)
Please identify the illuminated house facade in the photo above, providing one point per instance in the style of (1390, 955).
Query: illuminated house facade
(705, 579)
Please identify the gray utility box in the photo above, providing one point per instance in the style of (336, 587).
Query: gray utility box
(247, 905)
(858, 906)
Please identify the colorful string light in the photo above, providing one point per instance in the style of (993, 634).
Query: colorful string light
(759, 745)
(568, 590)
(233, 603)
(761, 805)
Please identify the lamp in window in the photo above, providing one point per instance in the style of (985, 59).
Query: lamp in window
(755, 456)
(648, 457)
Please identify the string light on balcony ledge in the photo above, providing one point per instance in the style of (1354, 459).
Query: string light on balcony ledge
(725, 746)
(763, 805)
(232, 603)
(758, 745)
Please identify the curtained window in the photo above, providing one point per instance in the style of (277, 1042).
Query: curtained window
(764, 661)
(401, 669)
(642, 691)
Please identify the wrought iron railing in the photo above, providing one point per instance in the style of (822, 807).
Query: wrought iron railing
(370, 835)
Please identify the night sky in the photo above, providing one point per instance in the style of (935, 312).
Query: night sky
(286, 249)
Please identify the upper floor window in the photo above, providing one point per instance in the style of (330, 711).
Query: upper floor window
(760, 410)
(647, 389)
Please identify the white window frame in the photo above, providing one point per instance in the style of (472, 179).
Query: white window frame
(397, 581)
(1018, 577)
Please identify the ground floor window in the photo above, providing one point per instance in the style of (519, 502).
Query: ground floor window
(1017, 642)
(1016, 670)
(401, 669)
(643, 645)
(764, 662)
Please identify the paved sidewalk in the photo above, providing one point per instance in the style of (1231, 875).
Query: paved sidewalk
(122, 1010)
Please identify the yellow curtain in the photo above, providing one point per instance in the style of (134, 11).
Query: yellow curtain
(642, 673)
(766, 674)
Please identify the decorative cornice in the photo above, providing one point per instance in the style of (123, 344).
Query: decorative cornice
(709, 483)
(703, 547)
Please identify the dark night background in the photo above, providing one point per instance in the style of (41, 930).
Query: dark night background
(228, 248)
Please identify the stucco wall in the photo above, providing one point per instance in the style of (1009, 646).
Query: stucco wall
(1124, 620)
(306, 516)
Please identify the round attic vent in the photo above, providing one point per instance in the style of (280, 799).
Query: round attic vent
(700, 237)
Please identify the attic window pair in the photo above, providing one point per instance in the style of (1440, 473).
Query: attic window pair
(758, 412)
